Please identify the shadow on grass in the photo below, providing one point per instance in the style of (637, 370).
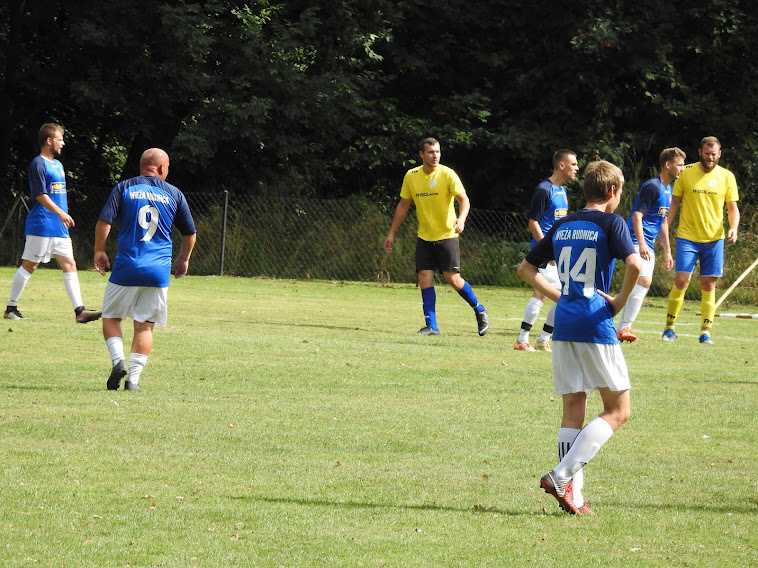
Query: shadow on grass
(363, 505)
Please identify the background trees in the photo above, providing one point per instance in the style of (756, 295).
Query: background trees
(329, 97)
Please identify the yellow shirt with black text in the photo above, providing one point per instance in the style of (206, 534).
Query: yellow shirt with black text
(433, 195)
(701, 217)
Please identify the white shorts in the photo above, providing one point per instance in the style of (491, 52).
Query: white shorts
(550, 273)
(647, 265)
(141, 303)
(42, 249)
(582, 367)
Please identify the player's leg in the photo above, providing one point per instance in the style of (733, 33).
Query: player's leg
(686, 257)
(636, 298)
(36, 250)
(116, 305)
(449, 260)
(550, 273)
(150, 309)
(531, 313)
(64, 255)
(426, 264)
(711, 269)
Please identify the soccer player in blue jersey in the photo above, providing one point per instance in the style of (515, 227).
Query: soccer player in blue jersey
(586, 352)
(47, 226)
(146, 208)
(549, 203)
(646, 220)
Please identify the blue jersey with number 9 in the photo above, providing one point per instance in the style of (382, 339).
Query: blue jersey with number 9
(146, 208)
(584, 246)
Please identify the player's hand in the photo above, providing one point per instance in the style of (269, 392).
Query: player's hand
(459, 226)
(67, 220)
(388, 243)
(732, 236)
(644, 252)
(668, 263)
(101, 262)
(612, 302)
(180, 267)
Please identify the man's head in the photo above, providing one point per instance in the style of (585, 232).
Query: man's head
(565, 164)
(672, 163)
(603, 182)
(429, 151)
(710, 152)
(50, 139)
(154, 162)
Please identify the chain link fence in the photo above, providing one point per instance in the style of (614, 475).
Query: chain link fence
(303, 238)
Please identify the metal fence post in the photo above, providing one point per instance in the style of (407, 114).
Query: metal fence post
(223, 232)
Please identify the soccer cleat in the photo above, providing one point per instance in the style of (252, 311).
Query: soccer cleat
(119, 371)
(85, 315)
(544, 346)
(706, 339)
(585, 510)
(129, 386)
(668, 335)
(523, 346)
(626, 334)
(13, 314)
(483, 321)
(427, 331)
(564, 495)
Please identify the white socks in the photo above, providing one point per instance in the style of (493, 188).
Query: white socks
(17, 285)
(566, 437)
(137, 362)
(632, 308)
(115, 347)
(71, 282)
(549, 322)
(585, 446)
(532, 311)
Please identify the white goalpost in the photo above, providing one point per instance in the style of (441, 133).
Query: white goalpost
(729, 290)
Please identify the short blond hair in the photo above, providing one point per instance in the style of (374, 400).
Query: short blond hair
(669, 154)
(48, 130)
(599, 177)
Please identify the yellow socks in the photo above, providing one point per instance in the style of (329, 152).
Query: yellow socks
(708, 309)
(676, 299)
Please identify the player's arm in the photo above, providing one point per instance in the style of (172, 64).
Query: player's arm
(531, 274)
(181, 264)
(640, 234)
(632, 273)
(44, 200)
(666, 246)
(734, 221)
(536, 230)
(675, 201)
(102, 230)
(400, 213)
(463, 208)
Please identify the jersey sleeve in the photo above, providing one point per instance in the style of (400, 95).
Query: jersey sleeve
(540, 202)
(649, 195)
(406, 192)
(111, 208)
(732, 193)
(620, 240)
(455, 184)
(183, 220)
(38, 178)
(543, 251)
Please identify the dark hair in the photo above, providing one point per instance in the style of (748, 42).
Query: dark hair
(46, 131)
(427, 141)
(561, 155)
(599, 177)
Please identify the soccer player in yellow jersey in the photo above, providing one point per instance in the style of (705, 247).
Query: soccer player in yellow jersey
(702, 189)
(433, 188)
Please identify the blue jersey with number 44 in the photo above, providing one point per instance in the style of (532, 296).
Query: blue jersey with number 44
(146, 208)
(584, 246)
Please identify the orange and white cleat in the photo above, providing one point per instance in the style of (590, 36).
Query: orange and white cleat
(523, 346)
(626, 334)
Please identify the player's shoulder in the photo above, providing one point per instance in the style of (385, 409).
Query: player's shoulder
(543, 187)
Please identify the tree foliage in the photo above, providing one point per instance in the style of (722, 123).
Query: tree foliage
(329, 97)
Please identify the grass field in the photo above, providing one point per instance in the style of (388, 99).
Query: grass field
(294, 424)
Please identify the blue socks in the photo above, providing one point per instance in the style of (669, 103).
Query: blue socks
(468, 294)
(429, 302)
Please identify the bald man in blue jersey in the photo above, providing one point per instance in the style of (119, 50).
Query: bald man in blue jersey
(146, 208)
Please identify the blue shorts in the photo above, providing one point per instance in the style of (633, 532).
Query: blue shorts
(711, 257)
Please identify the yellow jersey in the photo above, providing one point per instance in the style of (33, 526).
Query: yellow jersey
(433, 195)
(702, 207)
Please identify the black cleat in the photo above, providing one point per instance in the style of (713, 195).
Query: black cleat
(119, 371)
(129, 386)
(85, 316)
(427, 331)
(483, 321)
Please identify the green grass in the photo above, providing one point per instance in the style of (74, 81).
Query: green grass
(290, 423)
